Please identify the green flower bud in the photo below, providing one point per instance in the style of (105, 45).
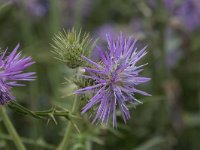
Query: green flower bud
(68, 47)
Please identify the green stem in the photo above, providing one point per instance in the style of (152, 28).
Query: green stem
(32, 142)
(11, 130)
(45, 114)
(65, 140)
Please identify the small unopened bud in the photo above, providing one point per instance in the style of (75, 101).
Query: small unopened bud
(68, 47)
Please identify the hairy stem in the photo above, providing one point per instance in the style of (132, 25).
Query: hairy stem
(11, 130)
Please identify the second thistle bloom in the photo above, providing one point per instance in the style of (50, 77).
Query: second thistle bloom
(115, 79)
(11, 71)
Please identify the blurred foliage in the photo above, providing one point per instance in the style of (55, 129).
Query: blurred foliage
(170, 119)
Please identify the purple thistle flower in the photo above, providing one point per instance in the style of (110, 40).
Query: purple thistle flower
(11, 71)
(116, 77)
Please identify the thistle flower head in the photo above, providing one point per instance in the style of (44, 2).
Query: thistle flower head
(116, 77)
(11, 71)
(68, 47)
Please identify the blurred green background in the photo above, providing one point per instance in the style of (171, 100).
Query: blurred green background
(168, 120)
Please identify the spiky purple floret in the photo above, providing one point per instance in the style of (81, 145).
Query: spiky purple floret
(11, 71)
(115, 77)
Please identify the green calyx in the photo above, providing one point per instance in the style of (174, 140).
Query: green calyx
(69, 46)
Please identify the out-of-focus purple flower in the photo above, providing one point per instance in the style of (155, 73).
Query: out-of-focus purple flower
(135, 26)
(187, 11)
(116, 77)
(37, 8)
(106, 29)
(170, 4)
(11, 71)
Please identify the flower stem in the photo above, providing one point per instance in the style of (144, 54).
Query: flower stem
(44, 114)
(65, 140)
(11, 130)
